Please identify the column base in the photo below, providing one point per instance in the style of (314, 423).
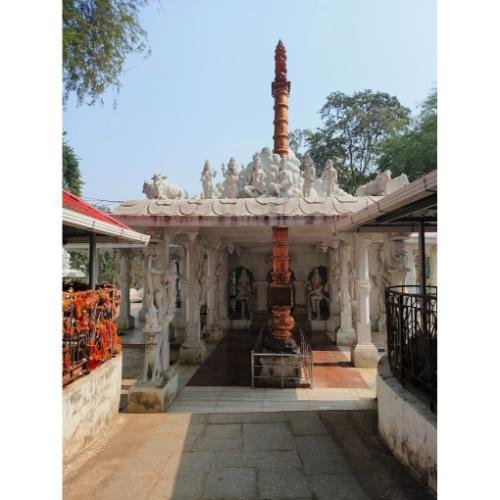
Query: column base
(192, 354)
(144, 398)
(126, 323)
(331, 327)
(346, 337)
(364, 355)
(214, 335)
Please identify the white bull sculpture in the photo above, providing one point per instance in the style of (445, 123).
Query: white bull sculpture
(160, 189)
(383, 184)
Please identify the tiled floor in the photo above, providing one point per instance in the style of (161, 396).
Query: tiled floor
(300, 455)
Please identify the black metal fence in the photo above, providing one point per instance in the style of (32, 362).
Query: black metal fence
(412, 335)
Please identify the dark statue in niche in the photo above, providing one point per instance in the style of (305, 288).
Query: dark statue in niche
(241, 293)
(317, 294)
(269, 279)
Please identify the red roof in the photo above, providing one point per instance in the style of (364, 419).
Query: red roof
(71, 202)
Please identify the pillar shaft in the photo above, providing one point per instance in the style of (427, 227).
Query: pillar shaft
(345, 334)
(280, 91)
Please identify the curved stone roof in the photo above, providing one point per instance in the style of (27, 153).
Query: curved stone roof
(246, 207)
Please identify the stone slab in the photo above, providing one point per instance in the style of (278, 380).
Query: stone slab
(231, 482)
(145, 399)
(306, 424)
(289, 484)
(268, 436)
(340, 487)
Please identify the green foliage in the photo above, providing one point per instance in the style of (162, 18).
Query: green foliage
(97, 37)
(353, 127)
(71, 170)
(297, 142)
(137, 272)
(80, 260)
(108, 267)
(414, 151)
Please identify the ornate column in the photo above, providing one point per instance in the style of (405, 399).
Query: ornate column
(346, 333)
(179, 320)
(280, 91)
(222, 287)
(193, 350)
(333, 285)
(214, 333)
(433, 266)
(363, 353)
(281, 321)
(158, 385)
(125, 319)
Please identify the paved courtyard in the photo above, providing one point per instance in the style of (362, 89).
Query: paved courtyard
(282, 455)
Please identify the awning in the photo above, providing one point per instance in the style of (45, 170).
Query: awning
(80, 218)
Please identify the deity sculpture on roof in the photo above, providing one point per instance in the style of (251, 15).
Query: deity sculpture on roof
(230, 184)
(329, 178)
(207, 175)
(283, 181)
(309, 176)
(257, 183)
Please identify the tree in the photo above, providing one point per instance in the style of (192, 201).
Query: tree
(414, 150)
(354, 126)
(298, 141)
(71, 170)
(97, 37)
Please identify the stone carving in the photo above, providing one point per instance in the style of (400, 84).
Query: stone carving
(160, 189)
(329, 177)
(207, 175)
(309, 176)
(172, 289)
(317, 286)
(256, 181)
(155, 337)
(283, 182)
(241, 293)
(383, 184)
(230, 184)
(380, 281)
(202, 279)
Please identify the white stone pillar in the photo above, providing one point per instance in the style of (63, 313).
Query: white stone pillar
(214, 332)
(193, 350)
(125, 319)
(334, 311)
(346, 333)
(433, 266)
(363, 353)
(222, 290)
(261, 288)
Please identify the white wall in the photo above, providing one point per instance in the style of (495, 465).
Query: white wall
(90, 406)
(407, 425)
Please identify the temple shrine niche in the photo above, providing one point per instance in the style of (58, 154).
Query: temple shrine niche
(241, 294)
(317, 294)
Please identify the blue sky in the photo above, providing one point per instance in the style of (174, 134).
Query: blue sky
(205, 91)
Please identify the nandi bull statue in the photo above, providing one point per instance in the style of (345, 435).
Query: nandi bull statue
(161, 189)
(383, 184)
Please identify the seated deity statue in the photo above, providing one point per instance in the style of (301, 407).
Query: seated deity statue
(283, 181)
(161, 189)
(316, 290)
(230, 184)
(309, 176)
(244, 295)
(206, 180)
(257, 185)
(329, 178)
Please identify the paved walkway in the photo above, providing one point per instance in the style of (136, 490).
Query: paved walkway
(299, 455)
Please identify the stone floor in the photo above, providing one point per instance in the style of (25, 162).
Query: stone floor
(299, 455)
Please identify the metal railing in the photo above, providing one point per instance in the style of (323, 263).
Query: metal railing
(412, 335)
(89, 330)
(270, 369)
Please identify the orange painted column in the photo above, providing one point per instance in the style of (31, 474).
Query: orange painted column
(280, 90)
(281, 321)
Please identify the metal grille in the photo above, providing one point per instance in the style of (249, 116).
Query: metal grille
(282, 364)
(412, 335)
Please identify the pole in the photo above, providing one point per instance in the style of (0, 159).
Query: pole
(92, 261)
